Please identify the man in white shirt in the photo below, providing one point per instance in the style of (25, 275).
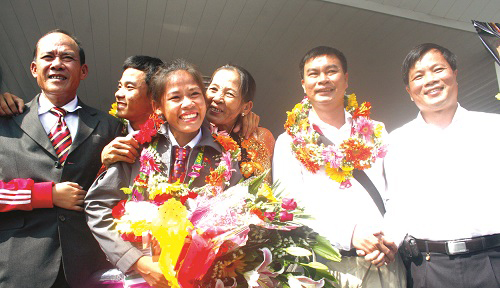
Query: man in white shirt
(442, 173)
(347, 216)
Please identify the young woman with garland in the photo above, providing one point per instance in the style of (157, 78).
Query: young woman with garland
(179, 95)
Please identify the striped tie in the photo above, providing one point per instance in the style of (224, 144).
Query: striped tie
(59, 135)
(179, 171)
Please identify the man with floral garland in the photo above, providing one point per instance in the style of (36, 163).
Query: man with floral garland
(442, 177)
(315, 160)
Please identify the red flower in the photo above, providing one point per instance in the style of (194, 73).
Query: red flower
(162, 198)
(316, 128)
(363, 110)
(288, 204)
(130, 237)
(270, 215)
(119, 209)
(146, 133)
(285, 216)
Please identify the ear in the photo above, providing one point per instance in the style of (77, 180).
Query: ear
(85, 71)
(346, 80)
(247, 107)
(303, 87)
(33, 69)
(408, 90)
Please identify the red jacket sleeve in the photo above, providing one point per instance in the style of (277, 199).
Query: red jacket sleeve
(25, 194)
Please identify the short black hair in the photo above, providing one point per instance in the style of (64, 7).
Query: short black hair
(320, 51)
(418, 52)
(147, 64)
(247, 82)
(162, 75)
(81, 53)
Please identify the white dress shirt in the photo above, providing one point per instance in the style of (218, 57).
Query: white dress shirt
(442, 183)
(336, 211)
(191, 143)
(49, 120)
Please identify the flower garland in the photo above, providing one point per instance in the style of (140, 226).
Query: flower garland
(359, 151)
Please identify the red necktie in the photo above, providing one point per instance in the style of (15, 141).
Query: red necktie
(59, 135)
(179, 171)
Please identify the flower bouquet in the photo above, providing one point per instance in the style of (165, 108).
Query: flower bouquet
(245, 236)
(209, 236)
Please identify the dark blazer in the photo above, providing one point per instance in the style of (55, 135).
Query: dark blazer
(32, 243)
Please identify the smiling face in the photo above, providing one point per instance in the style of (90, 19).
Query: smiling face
(132, 98)
(433, 84)
(57, 68)
(183, 106)
(325, 81)
(225, 99)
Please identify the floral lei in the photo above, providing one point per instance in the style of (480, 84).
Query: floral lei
(151, 179)
(357, 152)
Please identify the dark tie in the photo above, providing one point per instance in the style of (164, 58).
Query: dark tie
(59, 135)
(179, 171)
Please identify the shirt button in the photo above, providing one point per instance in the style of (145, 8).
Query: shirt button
(62, 218)
(57, 165)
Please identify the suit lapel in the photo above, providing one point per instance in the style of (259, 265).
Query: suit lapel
(31, 125)
(87, 122)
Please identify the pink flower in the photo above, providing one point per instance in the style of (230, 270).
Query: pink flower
(148, 163)
(346, 184)
(285, 216)
(288, 204)
(262, 276)
(364, 127)
(270, 215)
(333, 156)
(382, 151)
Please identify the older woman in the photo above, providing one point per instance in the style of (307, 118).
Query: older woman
(230, 95)
(179, 95)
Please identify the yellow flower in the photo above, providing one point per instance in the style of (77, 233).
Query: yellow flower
(498, 96)
(304, 124)
(113, 110)
(266, 192)
(347, 168)
(170, 229)
(297, 108)
(336, 174)
(139, 227)
(378, 130)
(352, 103)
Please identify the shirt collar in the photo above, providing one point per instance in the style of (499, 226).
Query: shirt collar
(130, 130)
(314, 119)
(191, 143)
(457, 117)
(44, 105)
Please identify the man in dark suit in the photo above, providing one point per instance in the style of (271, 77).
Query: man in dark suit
(56, 142)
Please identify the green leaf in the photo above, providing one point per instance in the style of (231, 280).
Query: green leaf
(316, 265)
(256, 182)
(298, 251)
(325, 274)
(326, 250)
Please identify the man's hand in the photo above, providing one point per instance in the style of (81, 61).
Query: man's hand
(68, 195)
(373, 246)
(10, 104)
(122, 149)
(150, 271)
(247, 124)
